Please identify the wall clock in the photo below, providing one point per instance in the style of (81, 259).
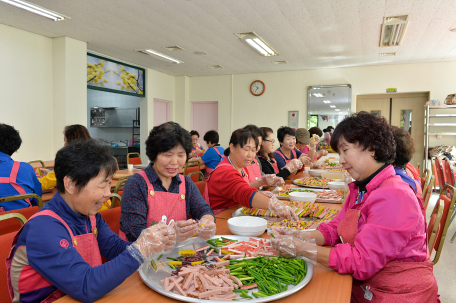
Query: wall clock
(257, 88)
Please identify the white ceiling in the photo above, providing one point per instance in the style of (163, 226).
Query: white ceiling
(309, 34)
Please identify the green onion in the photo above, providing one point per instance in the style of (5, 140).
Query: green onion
(159, 257)
(172, 259)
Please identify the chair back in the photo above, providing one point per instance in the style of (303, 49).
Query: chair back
(439, 174)
(434, 224)
(191, 168)
(14, 225)
(424, 179)
(38, 161)
(449, 173)
(200, 183)
(114, 198)
(21, 197)
(112, 218)
(117, 164)
(427, 193)
(119, 188)
(134, 160)
(444, 221)
(5, 246)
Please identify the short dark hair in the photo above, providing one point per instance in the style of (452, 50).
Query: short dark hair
(285, 130)
(405, 148)
(255, 130)
(81, 161)
(10, 140)
(266, 132)
(211, 136)
(315, 130)
(76, 132)
(165, 137)
(241, 137)
(194, 132)
(370, 132)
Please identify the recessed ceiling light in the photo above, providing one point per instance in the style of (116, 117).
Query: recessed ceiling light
(332, 106)
(173, 48)
(200, 53)
(393, 30)
(160, 56)
(318, 95)
(326, 101)
(215, 66)
(386, 54)
(33, 8)
(280, 62)
(257, 44)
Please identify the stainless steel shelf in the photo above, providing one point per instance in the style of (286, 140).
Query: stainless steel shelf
(442, 134)
(442, 124)
(440, 106)
(442, 116)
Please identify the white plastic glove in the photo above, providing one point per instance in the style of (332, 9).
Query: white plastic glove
(185, 229)
(44, 172)
(266, 193)
(289, 247)
(303, 235)
(321, 153)
(281, 209)
(314, 141)
(155, 239)
(206, 229)
(271, 180)
(304, 159)
(294, 165)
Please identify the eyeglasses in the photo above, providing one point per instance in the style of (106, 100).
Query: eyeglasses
(273, 141)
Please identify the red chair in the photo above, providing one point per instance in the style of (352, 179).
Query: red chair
(13, 225)
(5, 246)
(428, 191)
(112, 218)
(191, 169)
(424, 179)
(439, 174)
(134, 160)
(201, 183)
(449, 173)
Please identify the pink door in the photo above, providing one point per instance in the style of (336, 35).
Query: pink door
(161, 111)
(204, 118)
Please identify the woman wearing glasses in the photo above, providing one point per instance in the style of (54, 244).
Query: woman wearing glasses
(267, 160)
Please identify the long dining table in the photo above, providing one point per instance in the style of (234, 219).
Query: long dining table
(326, 284)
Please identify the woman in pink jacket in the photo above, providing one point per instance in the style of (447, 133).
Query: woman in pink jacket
(379, 236)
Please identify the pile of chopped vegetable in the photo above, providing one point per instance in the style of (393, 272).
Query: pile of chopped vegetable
(302, 209)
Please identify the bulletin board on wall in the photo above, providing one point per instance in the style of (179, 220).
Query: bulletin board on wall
(116, 77)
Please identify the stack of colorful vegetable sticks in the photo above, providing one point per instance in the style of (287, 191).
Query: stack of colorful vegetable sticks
(302, 209)
(251, 248)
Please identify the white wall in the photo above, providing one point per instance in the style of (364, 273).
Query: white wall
(26, 91)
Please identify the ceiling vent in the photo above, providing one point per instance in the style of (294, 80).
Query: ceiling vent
(393, 30)
(200, 53)
(258, 44)
(386, 54)
(173, 48)
(280, 62)
(215, 66)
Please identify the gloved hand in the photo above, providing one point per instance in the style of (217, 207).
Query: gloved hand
(304, 159)
(289, 247)
(314, 140)
(185, 229)
(294, 165)
(206, 229)
(321, 153)
(155, 239)
(303, 235)
(266, 193)
(317, 164)
(44, 172)
(271, 180)
(281, 209)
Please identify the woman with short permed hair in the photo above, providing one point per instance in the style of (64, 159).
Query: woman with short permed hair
(379, 236)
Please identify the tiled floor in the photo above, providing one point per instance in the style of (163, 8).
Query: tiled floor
(445, 269)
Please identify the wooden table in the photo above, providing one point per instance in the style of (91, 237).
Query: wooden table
(47, 164)
(326, 284)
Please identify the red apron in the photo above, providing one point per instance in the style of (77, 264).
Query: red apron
(254, 170)
(397, 282)
(161, 203)
(286, 160)
(210, 170)
(274, 165)
(12, 180)
(86, 245)
(206, 190)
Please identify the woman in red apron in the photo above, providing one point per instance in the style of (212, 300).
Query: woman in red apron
(159, 193)
(58, 250)
(197, 150)
(228, 185)
(379, 236)
(287, 152)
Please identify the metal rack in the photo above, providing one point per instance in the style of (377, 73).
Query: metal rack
(427, 125)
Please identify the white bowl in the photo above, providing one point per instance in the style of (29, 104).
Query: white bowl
(247, 226)
(315, 172)
(336, 185)
(304, 197)
(327, 174)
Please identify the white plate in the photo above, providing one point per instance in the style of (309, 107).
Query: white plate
(295, 183)
(152, 279)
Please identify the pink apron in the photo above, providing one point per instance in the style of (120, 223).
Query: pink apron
(206, 190)
(12, 180)
(254, 170)
(274, 165)
(161, 203)
(86, 245)
(286, 160)
(210, 170)
(397, 282)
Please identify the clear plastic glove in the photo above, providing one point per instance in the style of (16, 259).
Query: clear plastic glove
(289, 247)
(281, 209)
(317, 164)
(271, 180)
(303, 235)
(206, 229)
(314, 140)
(304, 159)
(185, 229)
(294, 165)
(266, 193)
(321, 153)
(155, 239)
(44, 171)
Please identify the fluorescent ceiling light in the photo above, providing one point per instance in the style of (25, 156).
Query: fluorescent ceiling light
(393, 30)
(257, 44)
(326, 101)
(318, 95)
(33, 8)
(332, 106)
(160, 56)
(336, 109)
